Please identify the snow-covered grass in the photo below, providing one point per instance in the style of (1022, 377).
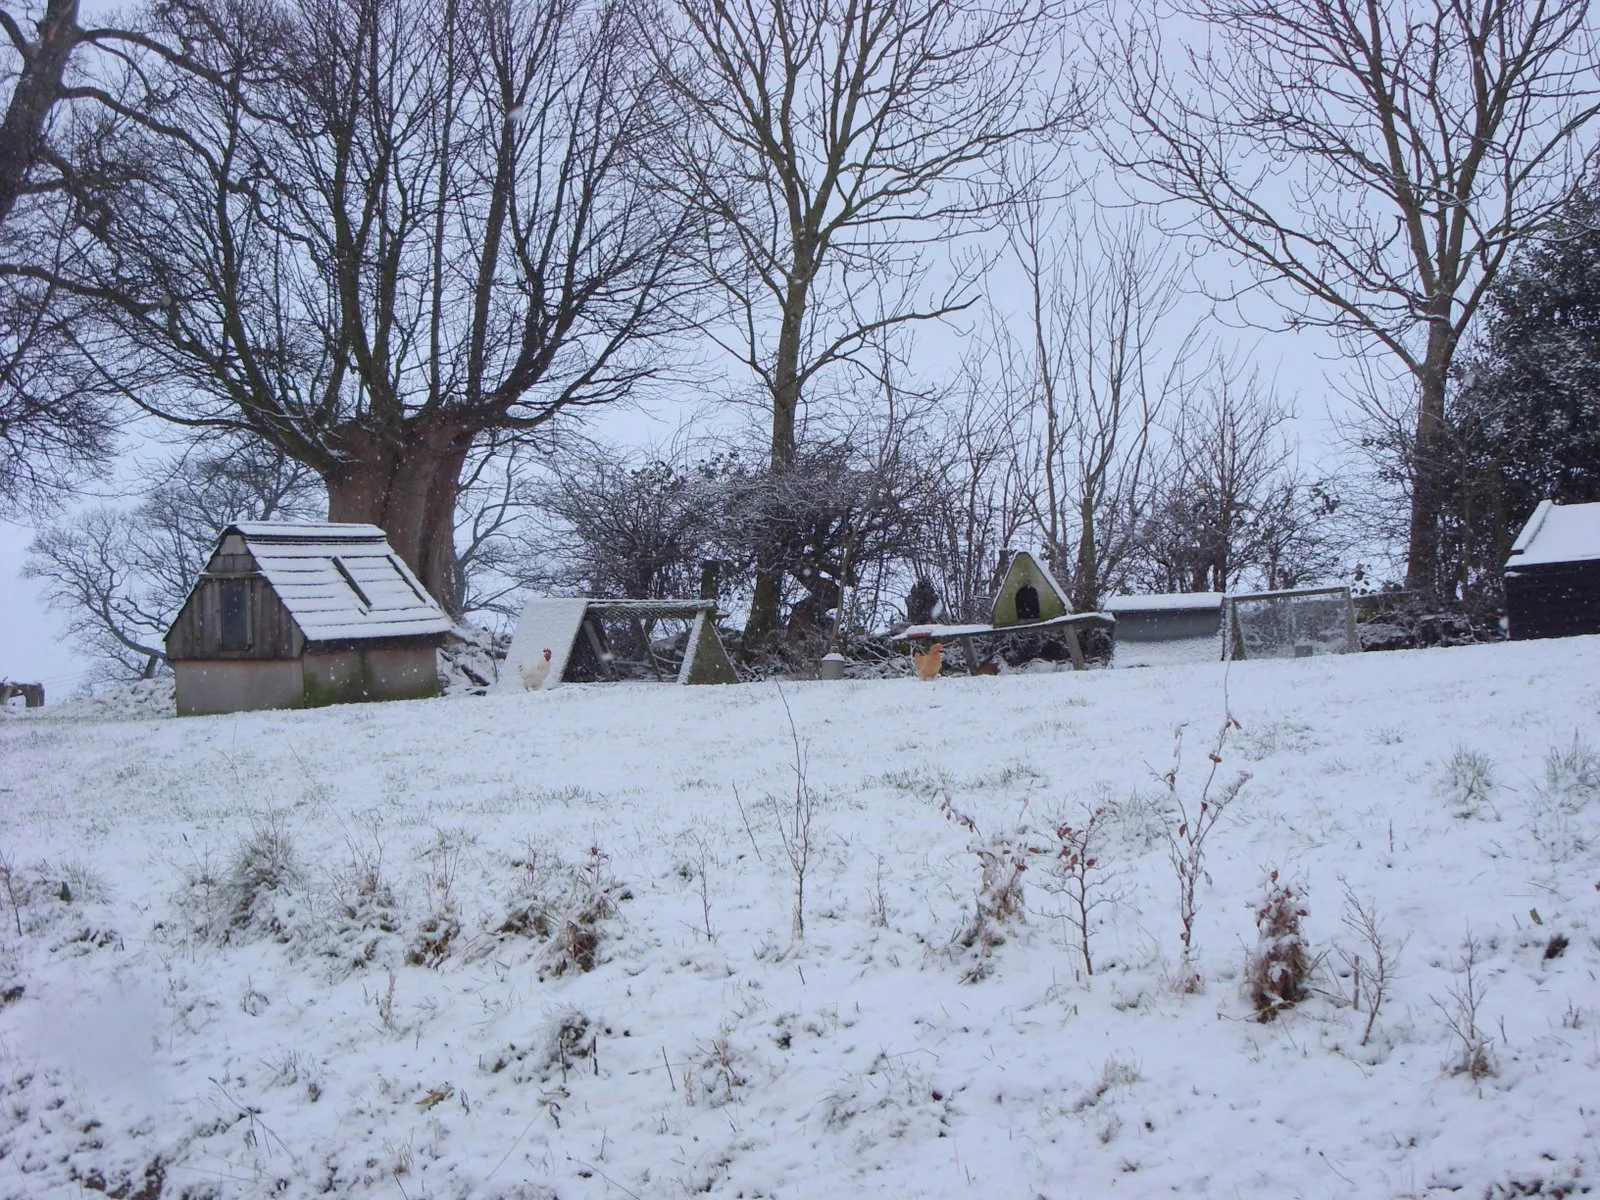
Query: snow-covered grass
(347, 952)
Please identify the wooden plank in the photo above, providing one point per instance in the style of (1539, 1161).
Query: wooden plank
(644, 638)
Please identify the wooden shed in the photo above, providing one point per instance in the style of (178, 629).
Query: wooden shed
(1180, 616)
(1552, 577)
(297, 616)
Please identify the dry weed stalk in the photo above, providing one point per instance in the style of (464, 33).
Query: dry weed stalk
(1460, 1010)
(1186, 843)
(1371, 972)
(703, 882)
(794, 820)
(8, 877)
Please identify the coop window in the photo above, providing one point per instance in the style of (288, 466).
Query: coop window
(235, 616)
(1027, 603)
(350, 579)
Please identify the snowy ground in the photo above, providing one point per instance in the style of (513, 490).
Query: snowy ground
(340, 952)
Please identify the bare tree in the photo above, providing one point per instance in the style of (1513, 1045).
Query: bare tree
(121, 574)
(1230, 503)
(375, 233)
(54, 420)
(1097, 368)
(829, 141)
(981, 494)
(1380, 158)
(842, 509)
(638, 525)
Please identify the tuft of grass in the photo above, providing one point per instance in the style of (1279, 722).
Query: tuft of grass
(263, 870)
(1467, 783)
(1572, 775)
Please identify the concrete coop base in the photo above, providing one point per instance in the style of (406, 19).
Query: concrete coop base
(341, 677)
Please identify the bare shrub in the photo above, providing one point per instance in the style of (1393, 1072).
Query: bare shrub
(1080, 876)
(1276, 974)
(1186, 840)
(1460, 1008)
(795, 819)
(1002, 859)
(1467, 783)
(1372, 966)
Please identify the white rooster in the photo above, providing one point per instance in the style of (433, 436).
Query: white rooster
(536, 672)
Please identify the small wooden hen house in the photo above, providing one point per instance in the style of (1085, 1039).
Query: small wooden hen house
(297, 616)
(1552, 576)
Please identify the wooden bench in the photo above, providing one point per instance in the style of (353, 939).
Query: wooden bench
(966, 636)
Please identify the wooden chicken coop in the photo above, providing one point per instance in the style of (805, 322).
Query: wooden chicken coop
(297, 616)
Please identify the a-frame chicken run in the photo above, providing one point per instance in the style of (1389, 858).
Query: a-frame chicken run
(562, 639)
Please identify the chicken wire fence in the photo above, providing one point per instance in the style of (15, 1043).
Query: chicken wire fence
(1296, 623)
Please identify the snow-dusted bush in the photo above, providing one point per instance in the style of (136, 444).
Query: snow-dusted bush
(562, 907)
(260, 877)
(1572, 775)
(566, 1039)
(1275, 975)
(575, 945)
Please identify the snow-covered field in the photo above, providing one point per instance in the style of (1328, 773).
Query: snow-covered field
(341, 952)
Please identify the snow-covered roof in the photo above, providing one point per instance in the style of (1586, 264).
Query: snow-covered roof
(919, 633)
(1557, 533)
(341, 582)
(1176, 601)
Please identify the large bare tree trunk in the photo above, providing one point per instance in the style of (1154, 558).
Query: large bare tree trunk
(765, 621)
(37, 88)
(407, 487)
(1428, 482)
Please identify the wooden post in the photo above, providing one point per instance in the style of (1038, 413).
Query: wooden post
(971, 655)
(595, 644)
(1074, 649)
